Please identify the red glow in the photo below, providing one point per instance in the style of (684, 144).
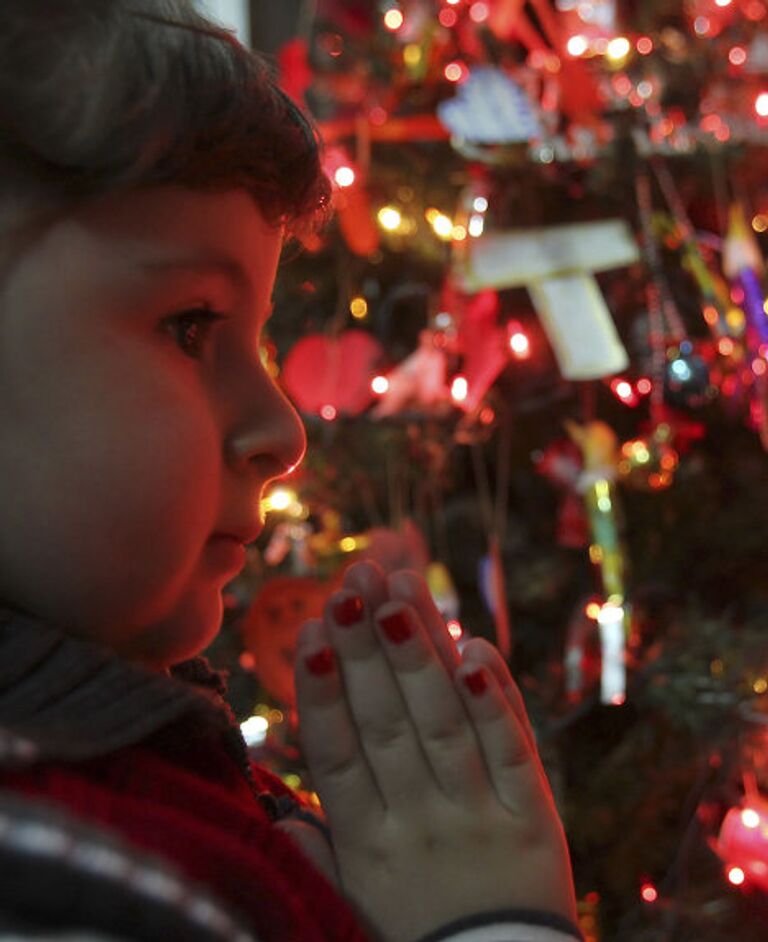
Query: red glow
(479, 12)
(487, 415)
(644, 386)
(454, 629)
(737, 55)
(377, 116)
(649, 893)
(623, 390)
(644, 45)
(456, 71)
(328, 413)
(448, 17)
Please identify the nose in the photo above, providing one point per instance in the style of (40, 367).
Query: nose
(270, 436)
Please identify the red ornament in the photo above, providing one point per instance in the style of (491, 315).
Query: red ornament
(271, 626)
(323, 373)
(743, 844)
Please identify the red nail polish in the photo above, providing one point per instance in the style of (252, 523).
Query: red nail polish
(321, 662)
(476, 682)
(396, 627)
(348, 611)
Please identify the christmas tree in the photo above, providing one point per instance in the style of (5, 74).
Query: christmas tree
(531, 351)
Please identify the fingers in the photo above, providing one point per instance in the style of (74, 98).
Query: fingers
(432, 704)
(511, 760)
(327, 730)
(478, 652)
(410, 587)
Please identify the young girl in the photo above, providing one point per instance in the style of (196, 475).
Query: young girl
(150, 173)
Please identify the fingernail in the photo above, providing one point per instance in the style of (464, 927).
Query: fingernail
(396, 627)
(348, 611)
(476, 682)
(321, 662)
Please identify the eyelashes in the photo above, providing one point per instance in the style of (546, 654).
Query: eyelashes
(191, 329)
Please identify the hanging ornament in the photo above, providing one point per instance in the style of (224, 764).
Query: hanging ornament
(331, 376)
(481, 342)
(742, 844)
(351, 202)
(581, 663)
(598, 445)
(687, 380)
(418, 383)
(271, 626)
(561, 463)
(557, 266)
(716, 303)
(743, 264)
(599, 449)
(490, 108)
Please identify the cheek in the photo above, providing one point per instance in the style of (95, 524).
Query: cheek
(116, 495)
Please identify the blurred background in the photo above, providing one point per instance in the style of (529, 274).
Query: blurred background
(531, 352)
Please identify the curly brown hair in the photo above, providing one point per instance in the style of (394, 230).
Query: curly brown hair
(98, 96)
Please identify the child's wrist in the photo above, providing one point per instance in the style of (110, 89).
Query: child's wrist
(524, 925)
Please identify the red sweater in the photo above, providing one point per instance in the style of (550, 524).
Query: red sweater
(210, 826)
(158, 761)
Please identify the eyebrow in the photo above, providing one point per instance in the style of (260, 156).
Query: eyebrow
(206, 264)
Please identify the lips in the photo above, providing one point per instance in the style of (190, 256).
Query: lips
(240, 536)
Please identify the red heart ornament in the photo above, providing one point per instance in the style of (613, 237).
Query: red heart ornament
(336, 372)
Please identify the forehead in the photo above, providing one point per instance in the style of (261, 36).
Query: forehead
(163, 231)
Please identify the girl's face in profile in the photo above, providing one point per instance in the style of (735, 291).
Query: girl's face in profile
(138, 425)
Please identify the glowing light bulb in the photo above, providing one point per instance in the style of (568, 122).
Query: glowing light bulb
(328, 412)
(519, 345)
(750, 818)
(254, 730)
(459, 389)
(736, 876)
(358, 307)
(279, 499)
(454, 629)
(476, 225)
(577, 45)
(479, 12)
(393, 19)
(737, 55)
(480, 204)
(379, 384)
(344, 176)
(761, 105)
(455, 71)
(442, 225)
(618, 48)
(390, 218)
(649, 893)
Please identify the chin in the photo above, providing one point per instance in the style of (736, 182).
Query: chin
(179, 636)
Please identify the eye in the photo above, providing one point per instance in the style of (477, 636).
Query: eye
(191, 329)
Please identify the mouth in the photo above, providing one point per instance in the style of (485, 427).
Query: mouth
(226, 552)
